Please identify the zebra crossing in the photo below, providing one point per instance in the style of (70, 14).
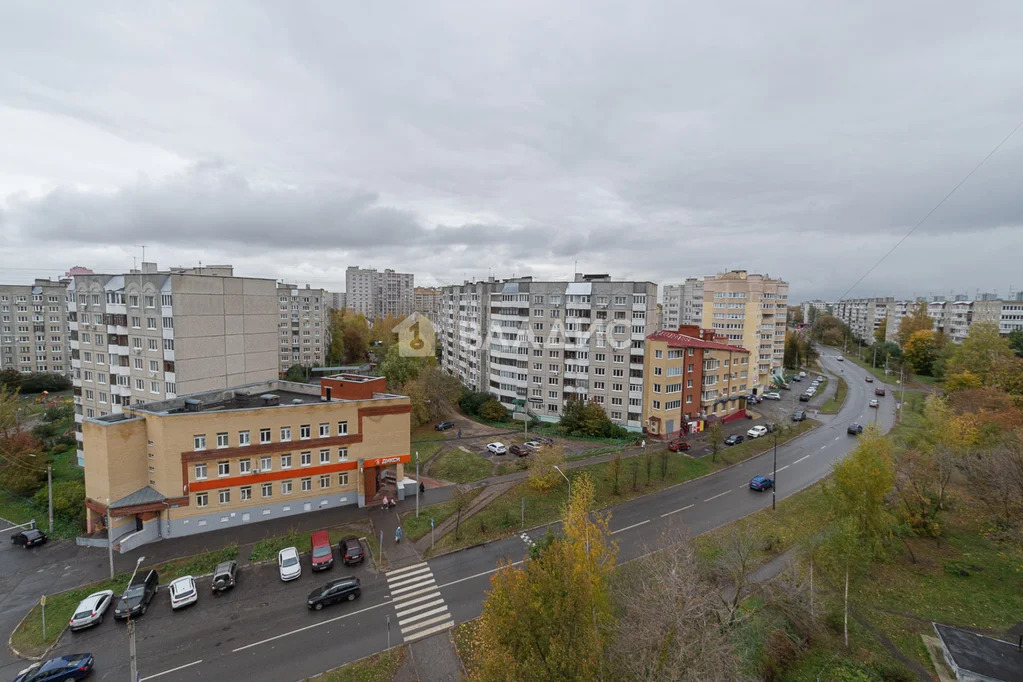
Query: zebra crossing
(420, 608)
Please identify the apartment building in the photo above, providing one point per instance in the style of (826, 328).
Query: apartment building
(461, 330)
(682, 304)
(34, 328)
(749, 310)
(821, 307)
(378, 294)
(427, 301)
(336, 300)
(691, 375)
(150, 335)
(1007, 313)
(224, 458)
(304, 327)
(864, 315)
(955, 317)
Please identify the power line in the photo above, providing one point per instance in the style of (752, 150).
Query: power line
(935, 208)
(24, 465)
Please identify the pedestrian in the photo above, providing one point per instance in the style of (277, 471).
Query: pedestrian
(397, 534)
(422, 488)
(459, 433)
(385, 502)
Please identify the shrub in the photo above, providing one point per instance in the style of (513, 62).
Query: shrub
(37, 382)
(493, 411)
(68, 500)
(779, 652)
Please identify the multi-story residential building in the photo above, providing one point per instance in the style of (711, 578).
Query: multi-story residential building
(691, 375)
(336, 300)
(750, 310)
(1007, 313)
(378, 294)
(461, 330)
(149, 335)
(427, 301)
(303, 324)
(821, 307)
(683, 304)
(34, 328)
(226, 458)
(864, 315)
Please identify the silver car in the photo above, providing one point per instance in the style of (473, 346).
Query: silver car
(91, 609)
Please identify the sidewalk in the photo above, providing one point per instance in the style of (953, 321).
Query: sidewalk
(431, 659)
(396, 554)
(485, 497)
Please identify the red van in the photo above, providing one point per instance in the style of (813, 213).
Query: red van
(323, 555)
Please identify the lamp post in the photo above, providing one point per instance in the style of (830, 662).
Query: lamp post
(110, 541)
(131, 625)
(774, 475)
(566, 478)
(417, 484)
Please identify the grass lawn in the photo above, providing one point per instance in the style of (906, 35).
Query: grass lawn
(466, 637)
(65, 465)
(197, 565)
(834, 404)
(380, 667)
(511, 466)
(416, 528)
(267, 548)
(593, 452)
(728, 455)
(459, 466)
(19, 510)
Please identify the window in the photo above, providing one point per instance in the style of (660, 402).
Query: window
(264, 435)
(324, 456)
(324, 430)
(285, 434)
(221, 440)
(342, 454)
(304, 431)
(657, 404)
(658, 354)
(286, 461)
(199, 442)
(150, 301)
(325, 481)
(150, 323)
(307, 484)
(223, 468)
(246, 492)
(265, 464)
(307, 458)
(267, 489)
(137, 362)
(200, 471)
(285, 487)
(245, 466)
(168, 323)
(243, 438)
(342, 479)
(225, 496)
(202, 499)
(342, 428)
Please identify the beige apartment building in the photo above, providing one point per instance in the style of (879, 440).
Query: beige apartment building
(225, 458)
(304, 328)
(34, 327)
(749, 310)
(427, 301)
(379, 294)
(148, 335)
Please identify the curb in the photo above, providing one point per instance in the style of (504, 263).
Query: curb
(28, 657)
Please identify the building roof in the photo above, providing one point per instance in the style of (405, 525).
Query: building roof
(677, 340)
(987, 656)
(144, 496)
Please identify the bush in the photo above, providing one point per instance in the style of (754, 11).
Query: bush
(835, 621)
(68, 500)
(493, 411)
(472, 401)
(37, 382)
(779, 652)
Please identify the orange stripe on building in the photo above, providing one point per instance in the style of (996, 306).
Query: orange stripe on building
(285, 474)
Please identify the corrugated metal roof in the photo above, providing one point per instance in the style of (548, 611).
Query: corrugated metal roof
(144, 496)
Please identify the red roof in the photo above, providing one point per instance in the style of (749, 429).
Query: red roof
(677, 340)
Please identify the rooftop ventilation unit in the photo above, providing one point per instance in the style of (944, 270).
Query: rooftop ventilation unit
(193, 405)
(270, 399)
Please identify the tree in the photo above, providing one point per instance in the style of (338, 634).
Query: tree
(920, 351)
(382, 333)
(8, 410)
(336, 328)
(68, 500)
(471, 401)
(881, 331)
(297, 373)
(858, 488)
(400, 369)
(494, 411)
(19, 472)
(543, 474)
(582, 418)
(791, 358)
(431, 392)
(10, 379)
(716, 433)
(460, 500)
(551, 618)
(614, 470)
(734, 564)
(914, 321)
(983, 353)
(1016, 342)
(356, 338)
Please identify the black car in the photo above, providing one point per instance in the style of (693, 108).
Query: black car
(351, 551)
(518, 451)
(854, 429)
(342, 589)
(136, 598)
(804, 398)
(443, 426)
(544, 440)
(734, 439)
(225, 576)
(70, 667)
(29, 538)
(799, 415)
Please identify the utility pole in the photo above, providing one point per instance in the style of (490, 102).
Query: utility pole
(110, 541)
(49, 486)
(874, 361)
(132, 659)
(417, 484)
(774, 481)
(902, 394)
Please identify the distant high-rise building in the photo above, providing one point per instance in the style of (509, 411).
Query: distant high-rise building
(864, 315)
(304, 328)
(427, 301)
(33, 327)
(337, 300)
(683, 304)
(378, 294)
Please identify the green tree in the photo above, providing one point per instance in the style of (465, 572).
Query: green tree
(431, 392)
(920, 351)
(400, 369)
(356, 338)
(881, 331)
(68, 500)
(858, 487)
(10, 379)
(1016, 342)
(382, 333)
(614, 471)
(542, 472)
(792, 348)
(494, 411)
(983, 353)
(336, 328)
(716, 433)
(915, 320)
(471, 401)
(297, 373)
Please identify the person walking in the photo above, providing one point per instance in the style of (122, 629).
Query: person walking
(422, 488)
(459, 433)
(397, 535)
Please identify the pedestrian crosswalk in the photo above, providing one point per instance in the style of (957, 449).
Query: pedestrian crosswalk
(420, 608)
(526, 539)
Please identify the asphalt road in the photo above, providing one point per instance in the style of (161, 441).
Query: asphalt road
(263, 631)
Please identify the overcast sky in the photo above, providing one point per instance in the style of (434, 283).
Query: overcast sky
(648, 140)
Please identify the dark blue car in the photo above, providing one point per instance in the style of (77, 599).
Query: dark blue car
(70, 667)
(760, 483)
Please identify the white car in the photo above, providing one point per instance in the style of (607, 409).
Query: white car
(840, 358)
(802, 374)
(91, 609)
(532, 445)
(773, 395)
(496, 448)
(873, 402)
(757, 431)
(288, 563)
(183, 592)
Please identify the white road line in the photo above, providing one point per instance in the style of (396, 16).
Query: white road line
(478, 575)
(837, 437)
(411, 630)
(398, 571)
(407, 598)
(309, 627)
(718, 495)
(801, 459)
(823, 446)
(630, 527)
(409, 602)
(406, 577)
(172, 670)
(423, 583)
(404, 580)
(677, 510)
(420, 616)
(425, 633)
(783, 468)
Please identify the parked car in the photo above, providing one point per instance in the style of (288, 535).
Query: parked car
(797, 378)
(879, 391)
(544, 440)
(678, 445)
(773, 395)
(70, 667)
(136, 598)
(799, 415)
(496, 448)
(518, 451)
(532, 445)
(870, 379)
(757, 431)
(840, 358)
(812, 391)
(288, 564)
(351, 551)
(760, 483)
(802, 374)
(805, 398)
(322, 554)
(443, 426)
(29, 538)
(874, 402)
(734, 439)
(225, 576)
(183, 592)
(855, 429)
(342, 589)
(90, 610)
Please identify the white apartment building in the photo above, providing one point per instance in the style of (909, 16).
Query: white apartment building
(750, 310)
(336, 300)
(378, 294)
(427, 301)
(1007, 313)
(149, 335)
(303, 325)
(954, 318)
(864, 315)
(461, 326)
(34, 327)
(682, 304)
(820, 306)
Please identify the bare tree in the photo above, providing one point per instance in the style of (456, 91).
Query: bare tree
(460, 499)
(733, 566)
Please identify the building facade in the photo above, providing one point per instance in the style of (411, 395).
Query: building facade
(304, 328)
(461, 331)
(427, 301)
(864, 315)
(1007, 314)
(691, 375)
(34, 327)
(226, 458)
(682, 304)
(336, 300)
(148, 336)
(749, 310)
(378, 294)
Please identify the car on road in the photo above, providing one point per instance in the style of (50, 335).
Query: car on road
(443, 426)
(869, 379)
(757, 431)
(874, 402)
(799, 415)
(805, 397)
(879, 391)
(70, 667)
(351, 551)
(288, 564)
(802, 374)
(773, 395)
(135, 600)
(840, 358)
(225, 576)
(760, 483)
(29, 538)
(678, 445)
(90, 610)
(855, 429)
(532, 445)
(342, 589)
(183, 592)
(735, 439)
(322, 554)
(496, 448)
(797, 378)
(518, 451)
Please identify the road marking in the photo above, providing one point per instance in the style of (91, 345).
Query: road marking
(783, 468)
(408, 578)
(423, 583)
(718, 495)
(172, 670)
(677, 510)
(443, 610)
(630, 527)
(526, 539)
(823, 446)
(426, 633)
(801, 459)
(434, 594)
(478, 575)
(425, 614)
(307, 627)
(398, 571)
(837, 437)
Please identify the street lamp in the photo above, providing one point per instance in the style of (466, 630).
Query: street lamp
(774, 477)
(131, 625)
(566, 478)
